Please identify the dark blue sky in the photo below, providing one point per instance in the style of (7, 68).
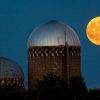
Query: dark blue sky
(19, 17)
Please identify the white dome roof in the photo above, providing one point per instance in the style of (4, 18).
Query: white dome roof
(10, 69)
(53, 33)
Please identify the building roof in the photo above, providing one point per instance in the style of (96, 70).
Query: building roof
(53, 33)
(9, 69)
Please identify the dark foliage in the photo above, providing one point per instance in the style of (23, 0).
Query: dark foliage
(52, 88)
(77, 88)
(93, 94)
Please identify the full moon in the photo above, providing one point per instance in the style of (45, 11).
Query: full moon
(93, 31)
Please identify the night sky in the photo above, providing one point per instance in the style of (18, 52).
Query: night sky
(19, 17)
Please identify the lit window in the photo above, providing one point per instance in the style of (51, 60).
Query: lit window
(52, 54)
(46, 54)
(41, 54)
(3, 81)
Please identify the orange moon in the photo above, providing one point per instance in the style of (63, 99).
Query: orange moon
(93, 30)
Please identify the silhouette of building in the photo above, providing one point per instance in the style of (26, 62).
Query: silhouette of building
(53, 48)
(11, 75)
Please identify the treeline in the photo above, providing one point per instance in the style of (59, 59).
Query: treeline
(52, 88)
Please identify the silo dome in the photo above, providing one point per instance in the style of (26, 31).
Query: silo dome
(53, 33)
(10, 72)
(53, 47)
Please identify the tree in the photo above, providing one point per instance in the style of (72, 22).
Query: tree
(93, 94)
(52, 88)
(77, 86)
